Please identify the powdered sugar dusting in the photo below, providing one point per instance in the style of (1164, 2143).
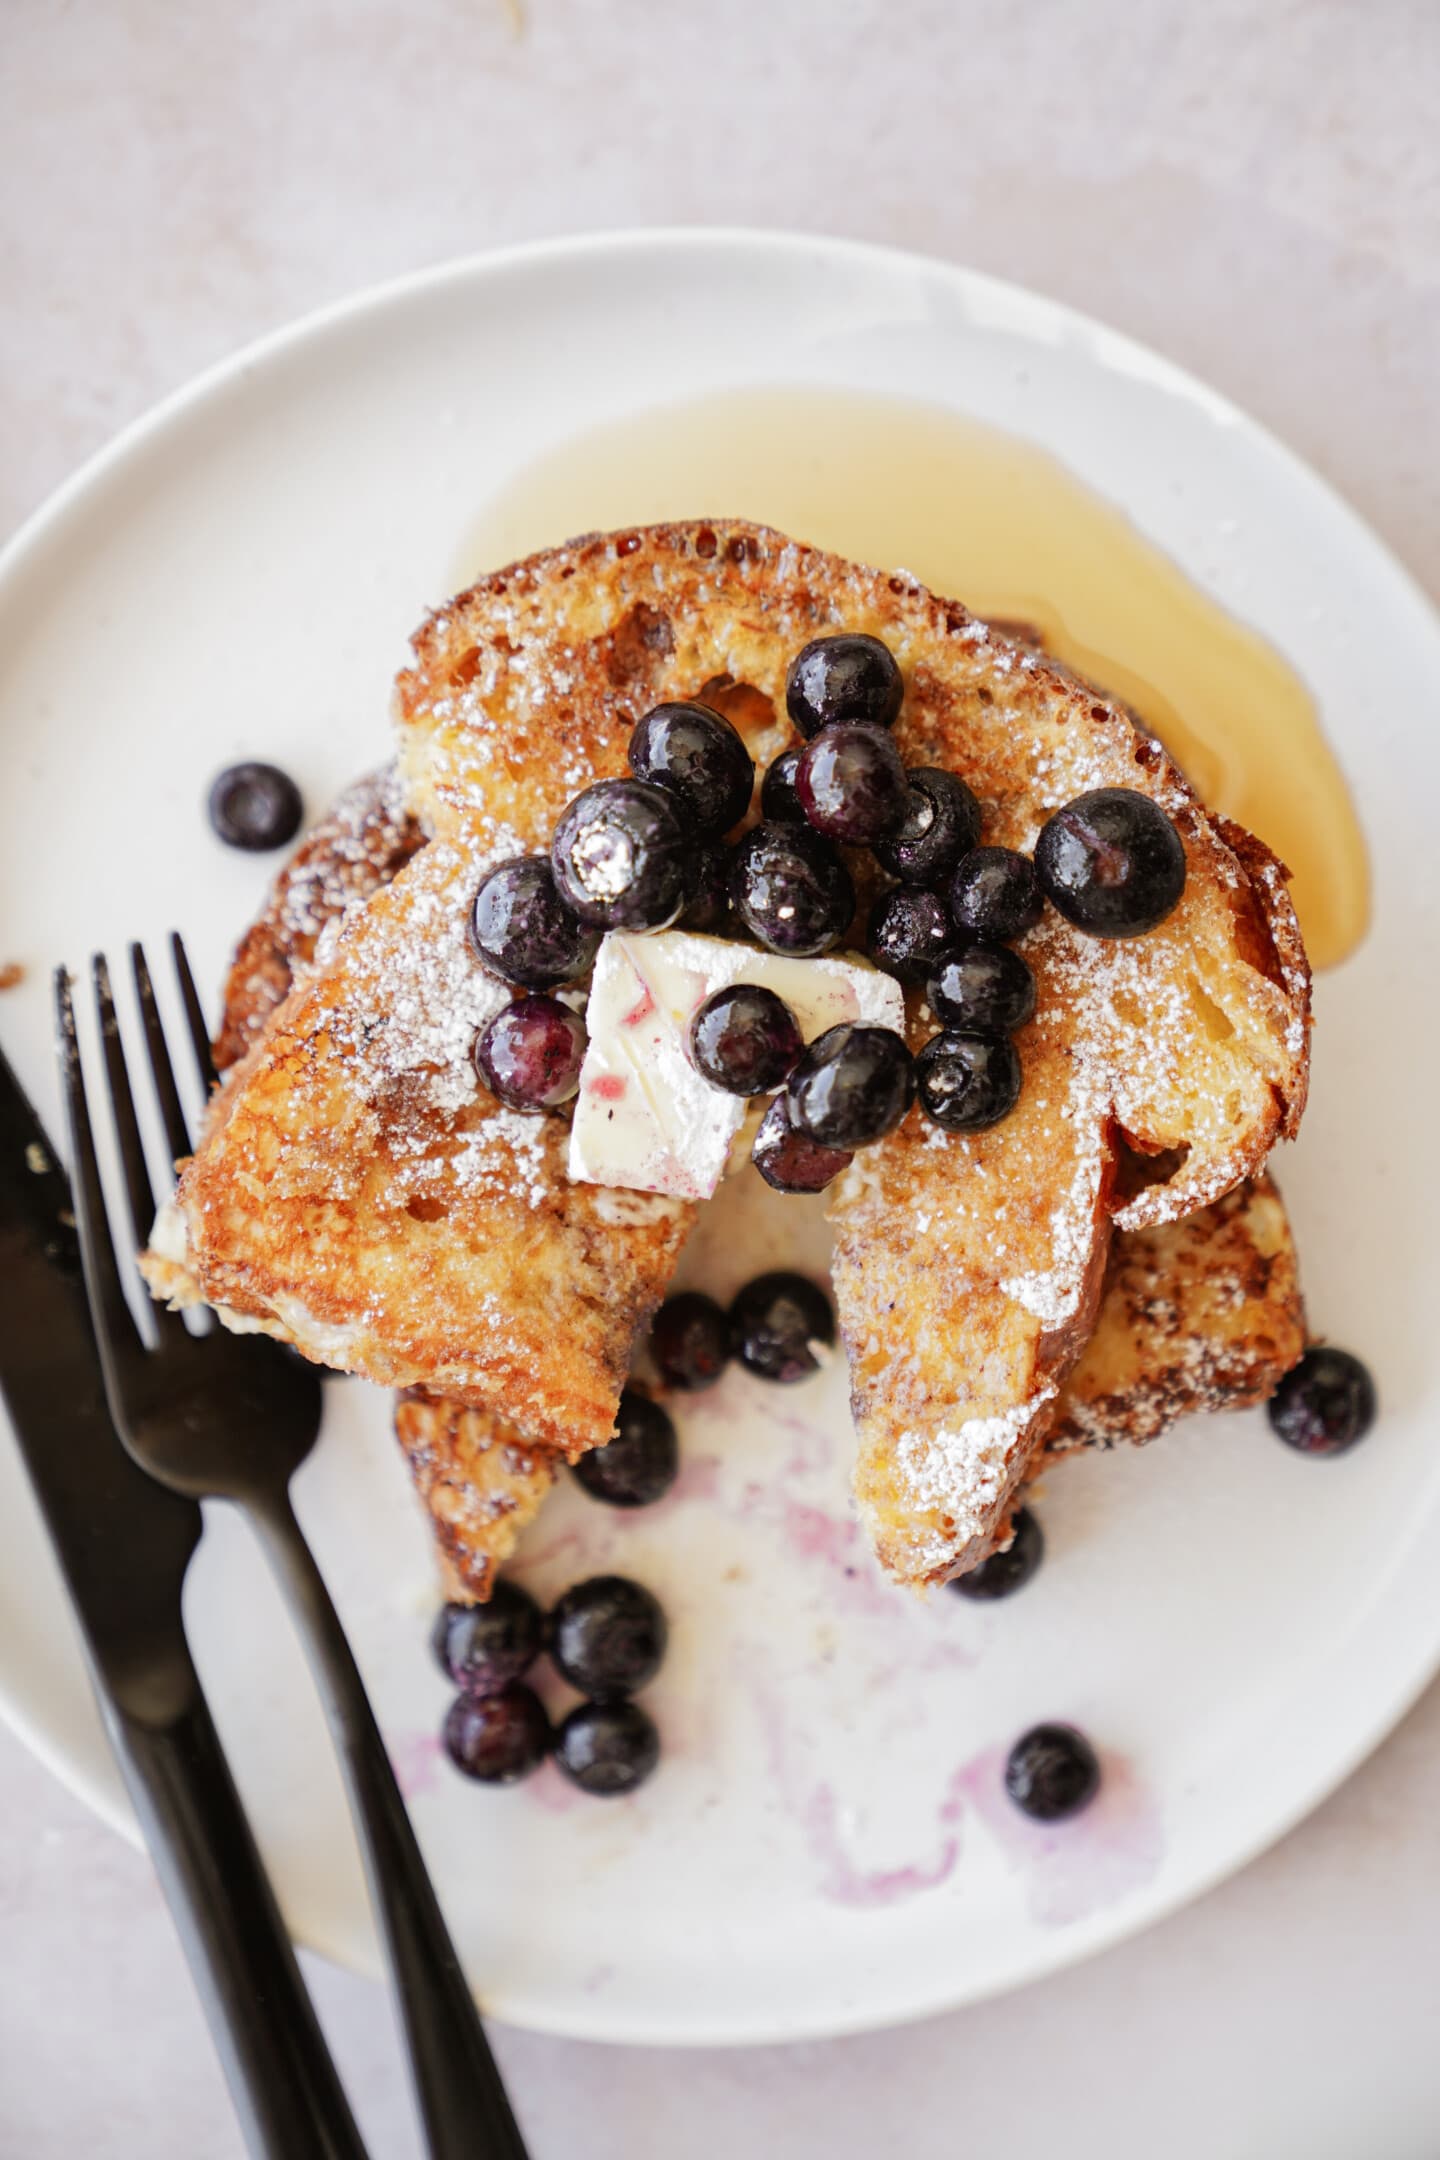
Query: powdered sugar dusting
(425, 995)
(966, 1470)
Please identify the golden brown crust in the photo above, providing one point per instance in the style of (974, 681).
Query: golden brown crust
(1200, 1316)
(360, 843)
(480, 1482)
(524, 690)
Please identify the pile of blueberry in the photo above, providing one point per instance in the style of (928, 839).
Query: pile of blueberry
(642, 853)
(774, 1327)
(606, 1636)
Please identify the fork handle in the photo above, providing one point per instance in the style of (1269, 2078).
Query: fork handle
(463, 2103)
(280, 2072)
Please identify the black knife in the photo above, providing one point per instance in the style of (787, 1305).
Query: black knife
(124, 1543)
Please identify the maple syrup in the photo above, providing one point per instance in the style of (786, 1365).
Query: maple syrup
(988, 519)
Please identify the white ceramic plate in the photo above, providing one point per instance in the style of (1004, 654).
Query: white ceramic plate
(1235, 1625)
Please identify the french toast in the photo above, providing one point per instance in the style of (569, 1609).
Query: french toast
(358, 1194)
(1204, 1314)
(1200, 1315)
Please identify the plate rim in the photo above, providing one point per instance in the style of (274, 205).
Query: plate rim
(1022, 310)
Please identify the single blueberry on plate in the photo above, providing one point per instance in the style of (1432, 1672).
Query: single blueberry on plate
(255, 806)
(1003, 1573)
(498, 1738)
(689, 1341)
(608, 1636)
(638, 1466)
(1052, 1771)
(482, 1647)
(1325, 1403)
(607, 1749)
(776, 1322)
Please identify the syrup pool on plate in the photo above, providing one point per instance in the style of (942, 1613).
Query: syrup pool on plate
(988, 519)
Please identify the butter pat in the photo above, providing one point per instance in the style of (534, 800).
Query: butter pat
(644, 1117)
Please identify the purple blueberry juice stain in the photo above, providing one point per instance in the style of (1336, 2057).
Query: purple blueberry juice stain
(539, 1556)
(1076, 1867)
(816, 1810)
(551, 1792)
(842, 1882)
(415, 1759)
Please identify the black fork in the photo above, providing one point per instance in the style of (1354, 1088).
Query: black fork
(233, 1417)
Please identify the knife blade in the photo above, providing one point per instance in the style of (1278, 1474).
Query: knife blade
(123, 1544)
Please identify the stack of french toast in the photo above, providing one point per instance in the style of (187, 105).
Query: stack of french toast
(1110, 1257)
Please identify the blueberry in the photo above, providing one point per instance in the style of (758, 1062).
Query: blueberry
(852, 1086)
(1112, 862)
(607, 1748)
(993, 893)
(850, 677)
(968, 1081)
(789, 1159)
(850, 783)
(775, 1323)
(1325, 1404)
(699, 758)
(909, 932)
(498, 1738)
(778, 799)
(530, 1054)
(607, 1636)
(255, 806)
(941, 823)
(638, 1466)
(791, 890)
(707, 903)
(982, 986)
(523, 929)
(621, 856)
(482, 1647)
(1052, 1771)
(1005, 1572)
(689, 1341)
(744, 1039)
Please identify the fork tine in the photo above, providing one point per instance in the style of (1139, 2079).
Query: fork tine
(122, 1104)
(194, 1014)
(114, 1323)
(177, 1137)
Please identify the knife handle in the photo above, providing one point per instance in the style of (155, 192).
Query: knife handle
(282, 2079)
(463, 2103)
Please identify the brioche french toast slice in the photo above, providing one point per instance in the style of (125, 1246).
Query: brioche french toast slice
(1201, 1315)
(968, 1268)
(357, 1192)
